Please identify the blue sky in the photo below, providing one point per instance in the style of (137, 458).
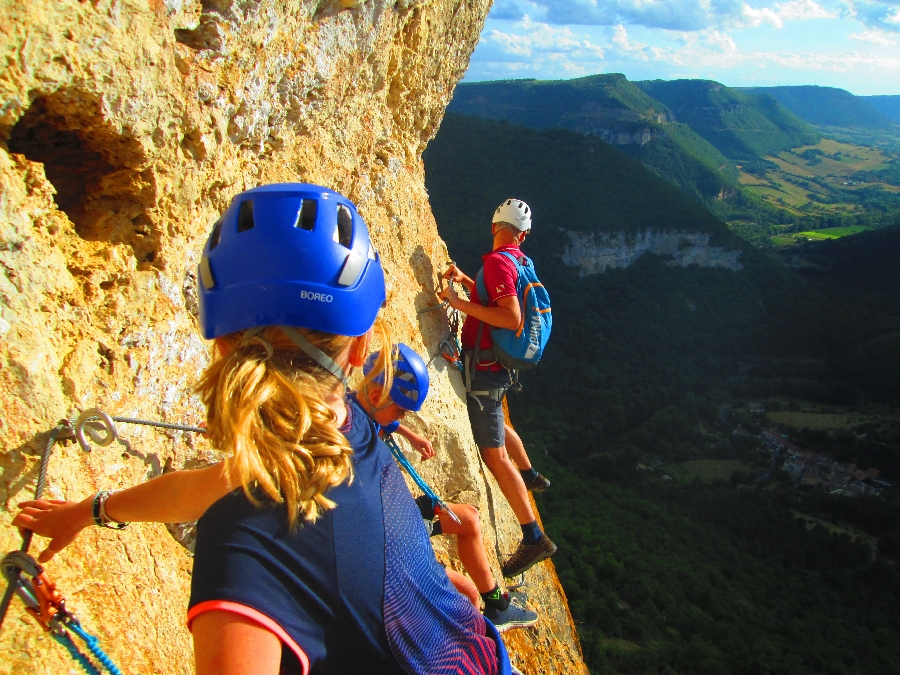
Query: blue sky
(851, 44)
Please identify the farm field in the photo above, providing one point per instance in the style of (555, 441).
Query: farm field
(817, 235)
(819, 179)
(853, 532)
(814, 421)
(802, 414)
(706, 469)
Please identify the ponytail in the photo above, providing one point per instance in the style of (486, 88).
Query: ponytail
(266, 407)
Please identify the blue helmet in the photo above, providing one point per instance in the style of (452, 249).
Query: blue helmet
(290, 254)
(410, 387)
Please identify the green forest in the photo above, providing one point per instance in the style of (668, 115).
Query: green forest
(757, 158)
(641, 402)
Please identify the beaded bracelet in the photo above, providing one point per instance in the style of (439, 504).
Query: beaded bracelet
(98, 511)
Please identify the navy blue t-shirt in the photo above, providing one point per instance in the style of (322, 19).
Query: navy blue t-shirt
(359, 591)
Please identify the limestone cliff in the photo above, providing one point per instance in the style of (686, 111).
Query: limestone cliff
(593, 252)
(126, 127)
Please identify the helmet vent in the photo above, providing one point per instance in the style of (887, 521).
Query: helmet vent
(215, 234)
(306, 219)
(344, 233)
(245, 217)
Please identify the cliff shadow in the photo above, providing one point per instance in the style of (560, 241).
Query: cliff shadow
(16, 473)
(431, 313)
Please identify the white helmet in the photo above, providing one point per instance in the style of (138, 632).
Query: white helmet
(515, 213)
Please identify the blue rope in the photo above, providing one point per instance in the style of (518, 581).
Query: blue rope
(417, 479)
(82, 660)
(94, 645)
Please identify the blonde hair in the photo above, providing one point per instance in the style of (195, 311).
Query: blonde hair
(265, 406)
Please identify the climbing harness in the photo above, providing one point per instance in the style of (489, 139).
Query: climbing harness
(29, 581)
(437, 503)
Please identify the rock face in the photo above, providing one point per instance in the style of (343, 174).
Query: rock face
(127, 126)
(593, 252)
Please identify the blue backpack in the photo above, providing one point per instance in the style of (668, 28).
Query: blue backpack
(522, 348)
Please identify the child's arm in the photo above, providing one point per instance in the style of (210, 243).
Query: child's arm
(419, 443)
(177, 497)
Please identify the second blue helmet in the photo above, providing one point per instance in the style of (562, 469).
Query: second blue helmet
(410, 384)
(292, 254)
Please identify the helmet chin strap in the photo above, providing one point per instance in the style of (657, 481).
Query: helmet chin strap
(315, 353)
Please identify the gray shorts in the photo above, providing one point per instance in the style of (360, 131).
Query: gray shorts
(487, 420)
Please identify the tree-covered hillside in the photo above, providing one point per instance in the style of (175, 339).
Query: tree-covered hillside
(720, 579)
(889, 106)
(747, 158)
(615, 110)
(586, 104)
(827, 106)
(596, 187)
(741, 126)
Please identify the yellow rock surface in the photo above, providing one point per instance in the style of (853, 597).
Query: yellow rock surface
(127, 126)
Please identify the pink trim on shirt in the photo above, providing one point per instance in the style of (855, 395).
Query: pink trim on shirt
(254, 615)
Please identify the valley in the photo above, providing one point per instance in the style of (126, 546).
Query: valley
(674, 392)
(770, 162)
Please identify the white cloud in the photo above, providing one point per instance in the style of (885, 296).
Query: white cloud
(720, 41)
(802, 10)
(544, 42)
(874, 37)
(698, 15)
(620, 40)
(754, 18)
(538, 47)
(667, 14)
(511, 44)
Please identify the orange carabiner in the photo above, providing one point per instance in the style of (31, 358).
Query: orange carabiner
(40, 595)
(50, 601)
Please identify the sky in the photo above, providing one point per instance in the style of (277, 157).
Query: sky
(851, 44)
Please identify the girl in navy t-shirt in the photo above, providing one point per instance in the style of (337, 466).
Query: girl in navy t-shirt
(318, 562)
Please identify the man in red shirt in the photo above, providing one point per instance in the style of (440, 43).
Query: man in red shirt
(500, 446)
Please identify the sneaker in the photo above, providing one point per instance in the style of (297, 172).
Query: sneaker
(511, 617)
(537, 484)
(527, 556)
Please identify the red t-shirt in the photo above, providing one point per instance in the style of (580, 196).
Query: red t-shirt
(500, 279)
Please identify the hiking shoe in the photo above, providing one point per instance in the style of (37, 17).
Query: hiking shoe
(511, 617)
(527, 556)
(537, 484)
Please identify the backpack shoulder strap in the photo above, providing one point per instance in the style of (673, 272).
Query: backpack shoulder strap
(515, 260)
(481, 288)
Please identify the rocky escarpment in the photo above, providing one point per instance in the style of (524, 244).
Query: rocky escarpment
(125, 129)
(593, 252)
